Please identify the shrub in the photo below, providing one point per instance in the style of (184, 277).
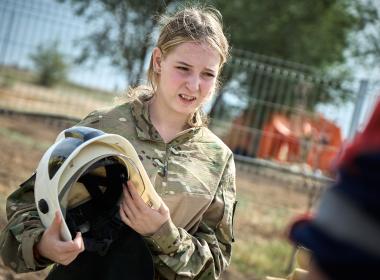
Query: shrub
(50, 65)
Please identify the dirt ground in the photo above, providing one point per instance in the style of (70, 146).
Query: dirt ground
(24, 139)
(33, 98)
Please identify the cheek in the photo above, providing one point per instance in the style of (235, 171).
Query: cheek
(174, 78)
(178, 79)
(169, 79)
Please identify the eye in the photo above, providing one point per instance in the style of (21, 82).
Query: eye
(209, 74)
(182, 68)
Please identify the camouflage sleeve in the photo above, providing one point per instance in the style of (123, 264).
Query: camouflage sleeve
(23, 230)
(206, 253)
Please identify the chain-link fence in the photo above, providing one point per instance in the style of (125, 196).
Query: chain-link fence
(274, 110)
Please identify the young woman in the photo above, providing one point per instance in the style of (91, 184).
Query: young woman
(190, 235)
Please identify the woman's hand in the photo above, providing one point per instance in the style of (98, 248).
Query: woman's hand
(138, 215)
(53, 248)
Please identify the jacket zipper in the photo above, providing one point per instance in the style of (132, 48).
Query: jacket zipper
(165, 167)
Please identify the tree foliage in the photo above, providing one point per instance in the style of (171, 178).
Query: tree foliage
(123, 33)
(366, 46)
(50, 65)
(315, 33)
(309, 32)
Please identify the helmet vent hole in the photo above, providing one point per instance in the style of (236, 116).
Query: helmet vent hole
(43, 206)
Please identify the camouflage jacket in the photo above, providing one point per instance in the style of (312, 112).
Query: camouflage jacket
(195, 176)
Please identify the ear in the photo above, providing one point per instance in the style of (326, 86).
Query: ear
(157, 58)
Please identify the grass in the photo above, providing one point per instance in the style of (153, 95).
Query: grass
(261, 248)
(10, 75)
(259, 257)
(265, 209)
(23, 139)
(18, 91)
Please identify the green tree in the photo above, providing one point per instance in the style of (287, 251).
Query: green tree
(309, 32)
(50, 65)
(123, 34)
(366, 47)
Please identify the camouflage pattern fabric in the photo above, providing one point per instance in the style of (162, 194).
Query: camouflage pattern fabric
(195, 176)
(23, 230)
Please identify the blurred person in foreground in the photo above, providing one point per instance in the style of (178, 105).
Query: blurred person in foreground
(342, 240)
(190, 235)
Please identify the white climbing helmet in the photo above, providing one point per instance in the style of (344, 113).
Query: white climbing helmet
(87, 164)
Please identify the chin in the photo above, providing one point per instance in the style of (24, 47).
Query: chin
(188, 110)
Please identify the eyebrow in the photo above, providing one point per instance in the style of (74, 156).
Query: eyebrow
(188, 65)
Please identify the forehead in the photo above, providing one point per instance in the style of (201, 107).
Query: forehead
(195, 54)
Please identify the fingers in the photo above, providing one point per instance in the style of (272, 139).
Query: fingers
(54, 231)
(132, 190)
(63, 252)
(67, 258)
(127, 211)
(163, 210)
(139, 202)
(135, 213)
(124, 217)
(69, 250)
(128, 205)
(56, 224)
(76, 245)
(52, 247)
(78, 242)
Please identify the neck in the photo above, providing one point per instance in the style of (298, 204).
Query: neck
(167, 124)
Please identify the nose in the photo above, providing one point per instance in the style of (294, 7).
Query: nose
(193, 83)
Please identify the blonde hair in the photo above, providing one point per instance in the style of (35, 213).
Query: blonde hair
(190, 24)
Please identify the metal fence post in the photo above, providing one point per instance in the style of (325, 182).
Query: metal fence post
(359, 103)
(7, 38)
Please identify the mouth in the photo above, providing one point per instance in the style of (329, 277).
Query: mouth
(187, 98)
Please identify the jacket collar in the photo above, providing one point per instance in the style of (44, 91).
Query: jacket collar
(144, 127)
